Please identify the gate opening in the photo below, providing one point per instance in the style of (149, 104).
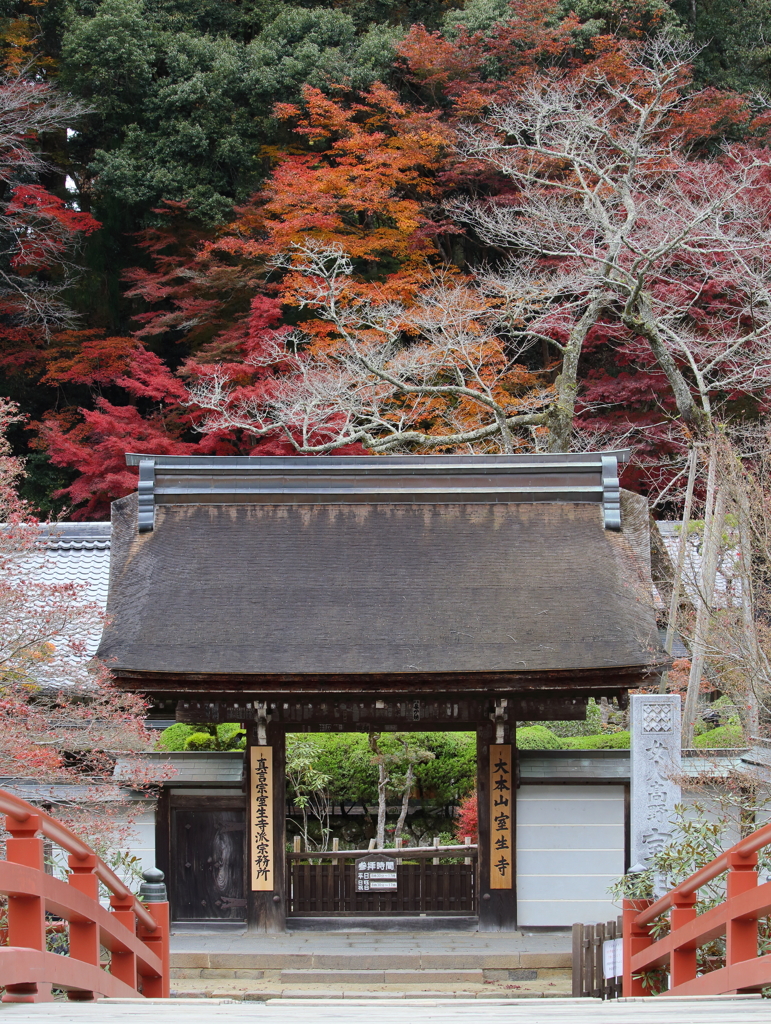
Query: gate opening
(373, 826)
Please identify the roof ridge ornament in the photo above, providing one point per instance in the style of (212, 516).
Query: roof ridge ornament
(611, 493)
(439, 479)
(146, 495)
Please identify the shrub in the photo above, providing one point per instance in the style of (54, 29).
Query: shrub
(601, 741)
(228, 736)
(231, 736)
(200, 741)
(467, 822)
(174, 737)
(537, 737)
(720, 738)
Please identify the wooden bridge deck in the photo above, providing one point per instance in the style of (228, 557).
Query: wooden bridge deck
(714, 1010)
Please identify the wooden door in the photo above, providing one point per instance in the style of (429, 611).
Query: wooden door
(208, 863)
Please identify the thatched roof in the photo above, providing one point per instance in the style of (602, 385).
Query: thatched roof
(367, 589)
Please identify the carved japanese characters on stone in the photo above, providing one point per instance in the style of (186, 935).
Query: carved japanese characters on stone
(655, 765)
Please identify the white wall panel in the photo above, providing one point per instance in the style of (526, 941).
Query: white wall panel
(570, 847)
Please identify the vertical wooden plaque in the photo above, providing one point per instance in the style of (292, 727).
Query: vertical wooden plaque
(502, 796)
(261, 817)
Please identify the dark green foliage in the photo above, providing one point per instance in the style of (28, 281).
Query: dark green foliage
(601, 741)
(734, 35)
(451, 775)
(228, 736)
(722, 737)
(182, 112)
(347, 760)
(174, 737)
(537, 737)
(444, 780)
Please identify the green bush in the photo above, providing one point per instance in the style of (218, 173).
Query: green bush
(720, 738)
(537, 737)
(181, 736)
(601, 741)
(231, 736)
(200, 741)
(174, 737)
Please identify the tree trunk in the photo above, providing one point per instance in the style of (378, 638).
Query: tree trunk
(754, 663)
(682, 547)
(559, 418)
(713, 529)
(405, 801)
(382, 784)
(640, 319)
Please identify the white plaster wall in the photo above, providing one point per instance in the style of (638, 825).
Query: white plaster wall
(142, 837)
(570, 848)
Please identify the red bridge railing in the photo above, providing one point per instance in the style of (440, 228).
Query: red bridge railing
(736, 918)
(136, 935)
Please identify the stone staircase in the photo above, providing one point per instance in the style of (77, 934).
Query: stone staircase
(351, 965)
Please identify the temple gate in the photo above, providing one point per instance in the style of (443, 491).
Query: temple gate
(387, 593)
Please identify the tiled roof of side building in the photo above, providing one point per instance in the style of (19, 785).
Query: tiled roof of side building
(76, 553)
(728, 586)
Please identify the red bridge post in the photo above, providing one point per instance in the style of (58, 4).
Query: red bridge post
(636, 939)
(26, 914)
(157, 942)
(683, 961)
(124, 962)
(741, 933)
(84, 934)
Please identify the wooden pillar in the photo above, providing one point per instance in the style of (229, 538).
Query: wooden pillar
(497, 906)
(266, 795)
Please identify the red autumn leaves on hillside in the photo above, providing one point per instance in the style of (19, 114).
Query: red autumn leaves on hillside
(436, 206)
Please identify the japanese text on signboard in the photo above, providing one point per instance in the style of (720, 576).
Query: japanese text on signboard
(261, 817)
(501, 817)
(375, 874)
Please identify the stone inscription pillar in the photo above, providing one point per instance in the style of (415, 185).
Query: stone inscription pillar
(655, 759)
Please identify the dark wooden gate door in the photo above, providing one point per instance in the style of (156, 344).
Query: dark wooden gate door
(208, 859)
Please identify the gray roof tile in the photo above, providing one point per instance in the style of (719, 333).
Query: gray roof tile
(76, 553)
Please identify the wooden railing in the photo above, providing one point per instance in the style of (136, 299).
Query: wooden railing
(323, 882)
(136, 935)
(736, 918)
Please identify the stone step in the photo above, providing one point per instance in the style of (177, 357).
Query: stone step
(350, 960)
(332, 994)
(368, 976)
(459, 978)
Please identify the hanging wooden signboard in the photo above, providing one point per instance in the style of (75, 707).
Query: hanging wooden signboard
(501, 817)
(261, 817)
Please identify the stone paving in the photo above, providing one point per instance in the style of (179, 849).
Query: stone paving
(723, 1010)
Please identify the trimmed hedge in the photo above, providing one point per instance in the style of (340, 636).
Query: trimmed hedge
(600, 741)
(720, 738)
(174, 737)
(538, 737)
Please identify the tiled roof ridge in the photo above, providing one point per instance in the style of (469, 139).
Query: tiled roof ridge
(76, 536)
(85, 544)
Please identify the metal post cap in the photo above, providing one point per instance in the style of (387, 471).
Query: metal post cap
(152, 890)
